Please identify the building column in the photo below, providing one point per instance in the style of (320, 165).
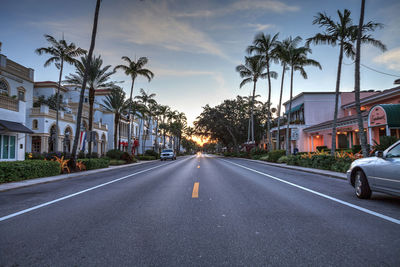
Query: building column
(44, 146)
(370, 135)
(312, 143)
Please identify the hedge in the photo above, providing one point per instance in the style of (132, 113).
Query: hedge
(323, 162)
(144, 157)
(273, 155)
(92, 164)
(27, 169)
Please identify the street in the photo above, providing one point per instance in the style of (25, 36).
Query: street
(198, 211)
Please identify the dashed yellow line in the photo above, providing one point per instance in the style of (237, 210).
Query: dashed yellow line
(195, 193)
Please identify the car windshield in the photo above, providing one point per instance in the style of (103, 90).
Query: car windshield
(394, 152)
(167, 150)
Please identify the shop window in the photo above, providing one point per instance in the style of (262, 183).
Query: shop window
(35, 124)
(3, 88)
(7, 147)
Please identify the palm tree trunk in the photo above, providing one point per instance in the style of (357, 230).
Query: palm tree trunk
(129, 116)
(252, 112)
(333, 148)
(82, 94)
(363, 137)
(91, 103)
(288, 150)
(269, 109)
(119, 135)
(58, 105)
(278, 146)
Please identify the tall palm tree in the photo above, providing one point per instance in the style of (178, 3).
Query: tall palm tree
(264, 45)
(342, 33)
(82, 93)
(60, 52)
(98, 78)
(251, 71)
(297, 61)
(147, 101)
(163, 111)
(282, 53)
(115, 103)
(134, 69)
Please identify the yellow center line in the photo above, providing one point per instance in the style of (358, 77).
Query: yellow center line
(195, 193)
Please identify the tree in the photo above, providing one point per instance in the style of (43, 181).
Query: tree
(148, 108)
(60, 52)
(134, 69)
(115, 103)
(297, 61)
(283, 54)
(251, 71)
(265, 46)
(82, 93)
(98, 78)
(342, 33)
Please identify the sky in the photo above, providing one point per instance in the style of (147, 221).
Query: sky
(193, 46)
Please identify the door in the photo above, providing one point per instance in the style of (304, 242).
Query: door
(387, 171)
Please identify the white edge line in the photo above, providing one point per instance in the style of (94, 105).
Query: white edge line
(390, 219)
(75, 194)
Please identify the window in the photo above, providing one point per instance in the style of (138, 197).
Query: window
(394, 152)
(3, 88)
(86, 100)
(21, 95)
(7, 147)
(35, 124)
(36, 144)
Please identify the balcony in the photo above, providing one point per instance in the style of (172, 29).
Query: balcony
(9, 103)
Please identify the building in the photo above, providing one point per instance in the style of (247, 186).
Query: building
(16, 89)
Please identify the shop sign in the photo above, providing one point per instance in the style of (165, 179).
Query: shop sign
(294, 134)
(377, 117)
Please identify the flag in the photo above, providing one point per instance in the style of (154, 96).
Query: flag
(82, 141)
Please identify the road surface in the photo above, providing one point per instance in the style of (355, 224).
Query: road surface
(198, 211)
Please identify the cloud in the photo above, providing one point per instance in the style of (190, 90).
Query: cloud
(180, 73)
(260, 27)
(243, 5)
(390, 58)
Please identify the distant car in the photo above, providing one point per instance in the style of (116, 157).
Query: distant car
(167, 154)
(380, 173)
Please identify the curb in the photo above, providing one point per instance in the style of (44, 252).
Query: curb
(332, 174)
(45, 180)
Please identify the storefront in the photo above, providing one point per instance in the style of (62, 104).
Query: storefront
(383, 120)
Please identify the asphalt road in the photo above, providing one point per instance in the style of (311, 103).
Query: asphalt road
(198, 211)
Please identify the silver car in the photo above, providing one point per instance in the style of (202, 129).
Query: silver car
(380, 173)
(167, 154)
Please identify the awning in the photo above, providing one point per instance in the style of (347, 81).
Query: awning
(11, 126)
(390, 115)
(296, 108)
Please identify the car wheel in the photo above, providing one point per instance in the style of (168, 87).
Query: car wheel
(361, 186)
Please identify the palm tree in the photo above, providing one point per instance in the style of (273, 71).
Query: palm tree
(134, 69)
(147, 101)
(82, 93)
(60, 52)
(251, 71)
(342, 33)
(115, 103)
(98, 78)
(282, 53)
(264, 45)
(163, 111)
(297, 61)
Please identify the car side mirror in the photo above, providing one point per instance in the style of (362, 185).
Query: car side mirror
(379, 154)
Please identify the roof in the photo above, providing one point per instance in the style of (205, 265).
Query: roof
(49, 84)
(12, 126)
(375, 97)
(392, 114)
(309, 93)
(328, 124)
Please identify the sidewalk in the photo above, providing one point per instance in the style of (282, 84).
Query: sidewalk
(34, 181)
(333, 174)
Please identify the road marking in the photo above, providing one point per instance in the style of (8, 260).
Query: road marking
(390, 219)
(195, 193)
(77, 193)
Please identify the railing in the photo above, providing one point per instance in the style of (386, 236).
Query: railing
(9, 103)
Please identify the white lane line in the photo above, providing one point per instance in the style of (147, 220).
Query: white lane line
(390, 219)
(77, 193)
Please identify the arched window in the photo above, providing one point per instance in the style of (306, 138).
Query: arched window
(35, 124)
(3, 88)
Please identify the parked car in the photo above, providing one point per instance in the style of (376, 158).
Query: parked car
(167, 154)
(380, 173)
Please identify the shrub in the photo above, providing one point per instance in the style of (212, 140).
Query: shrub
(34, 156)
(94, 155)
(114, 154)
(356, 148)
(320, 148)
(144, 157)
(81, 155)
(274, 155)
(385, 142)
(92, 164)
(258, 151)
(153, 153)
(283, 159)
(265, 158)
(127, 158)
(28, 169)
(117, 162)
